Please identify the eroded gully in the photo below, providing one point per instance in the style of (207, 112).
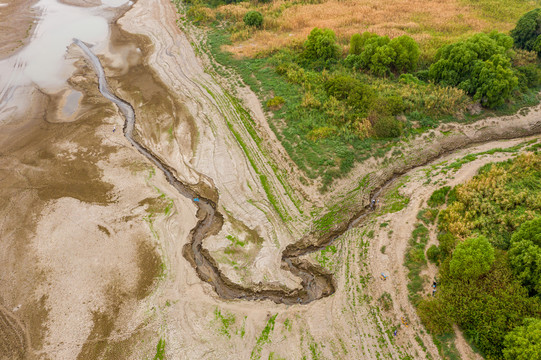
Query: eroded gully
(315, 284)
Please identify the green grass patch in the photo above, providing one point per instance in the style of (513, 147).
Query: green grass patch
(264, 338)
(394, 201)
(415, 261)
(428, 215)
(446, 346)
(225, 321)
(326, 258)
(160, 350)
(438, 197)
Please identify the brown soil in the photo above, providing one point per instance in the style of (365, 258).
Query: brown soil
(94, 263)
(16, 25)
(64, 192)
(13, 341)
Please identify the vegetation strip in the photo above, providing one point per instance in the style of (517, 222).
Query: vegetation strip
(488, 255)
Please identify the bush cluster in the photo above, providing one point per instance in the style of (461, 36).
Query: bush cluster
(479, 65)
(526, 34)
(320, 48)
(483, 288)
(381, 55)
(253, 18)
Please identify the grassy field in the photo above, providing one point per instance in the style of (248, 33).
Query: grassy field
(326, 134)
(430, 22)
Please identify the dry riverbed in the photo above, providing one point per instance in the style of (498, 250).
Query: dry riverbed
(91, 234)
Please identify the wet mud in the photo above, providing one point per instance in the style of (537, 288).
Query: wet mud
(13, 341)
(16, 25)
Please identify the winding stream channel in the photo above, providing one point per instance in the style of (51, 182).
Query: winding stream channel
(315, 284)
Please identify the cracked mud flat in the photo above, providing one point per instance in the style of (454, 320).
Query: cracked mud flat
(85, 226)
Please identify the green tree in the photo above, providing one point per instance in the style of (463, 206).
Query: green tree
(321, 45)
(479, 65)
(528, 30)
(525, 254)
(524, 342)
(253, 18)
(492, 81)
(381, 55)
(472, 258)
(355, 44)
(407, 53)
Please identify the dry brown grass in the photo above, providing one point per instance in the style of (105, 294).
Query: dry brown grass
(431, 22)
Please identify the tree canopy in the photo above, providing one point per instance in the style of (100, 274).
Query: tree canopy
(320, 46)
(381, 55)
(472, 258)
(253, 18)
(479, 65)
(525, 254)
(524, 342)
(528, 30)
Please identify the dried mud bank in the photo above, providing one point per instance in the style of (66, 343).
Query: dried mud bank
(77, 253)
(78, 257)
(315, 284)
(84, 211)
(17, 23)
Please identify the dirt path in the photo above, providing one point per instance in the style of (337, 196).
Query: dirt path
(396, 234)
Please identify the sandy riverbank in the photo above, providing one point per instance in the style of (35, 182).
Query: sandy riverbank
(92, 235)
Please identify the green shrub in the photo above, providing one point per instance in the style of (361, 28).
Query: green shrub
(525, 254)
(526, 33)
(529, 76)
(524, 342)
(407, 53)
(320, 46)
(381, 55)
(492, 81)
(438, 196)
(275, 103)
(409, 79)
(355, 93)
(253, 18)
(355, 44)
(423, 75)
(472, 258)
(479, 65)
(447, 243)
(387, 127)
(433, 254)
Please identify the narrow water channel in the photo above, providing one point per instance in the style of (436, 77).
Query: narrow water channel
(315, 282)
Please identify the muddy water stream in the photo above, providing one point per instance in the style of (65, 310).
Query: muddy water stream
(315, 283)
